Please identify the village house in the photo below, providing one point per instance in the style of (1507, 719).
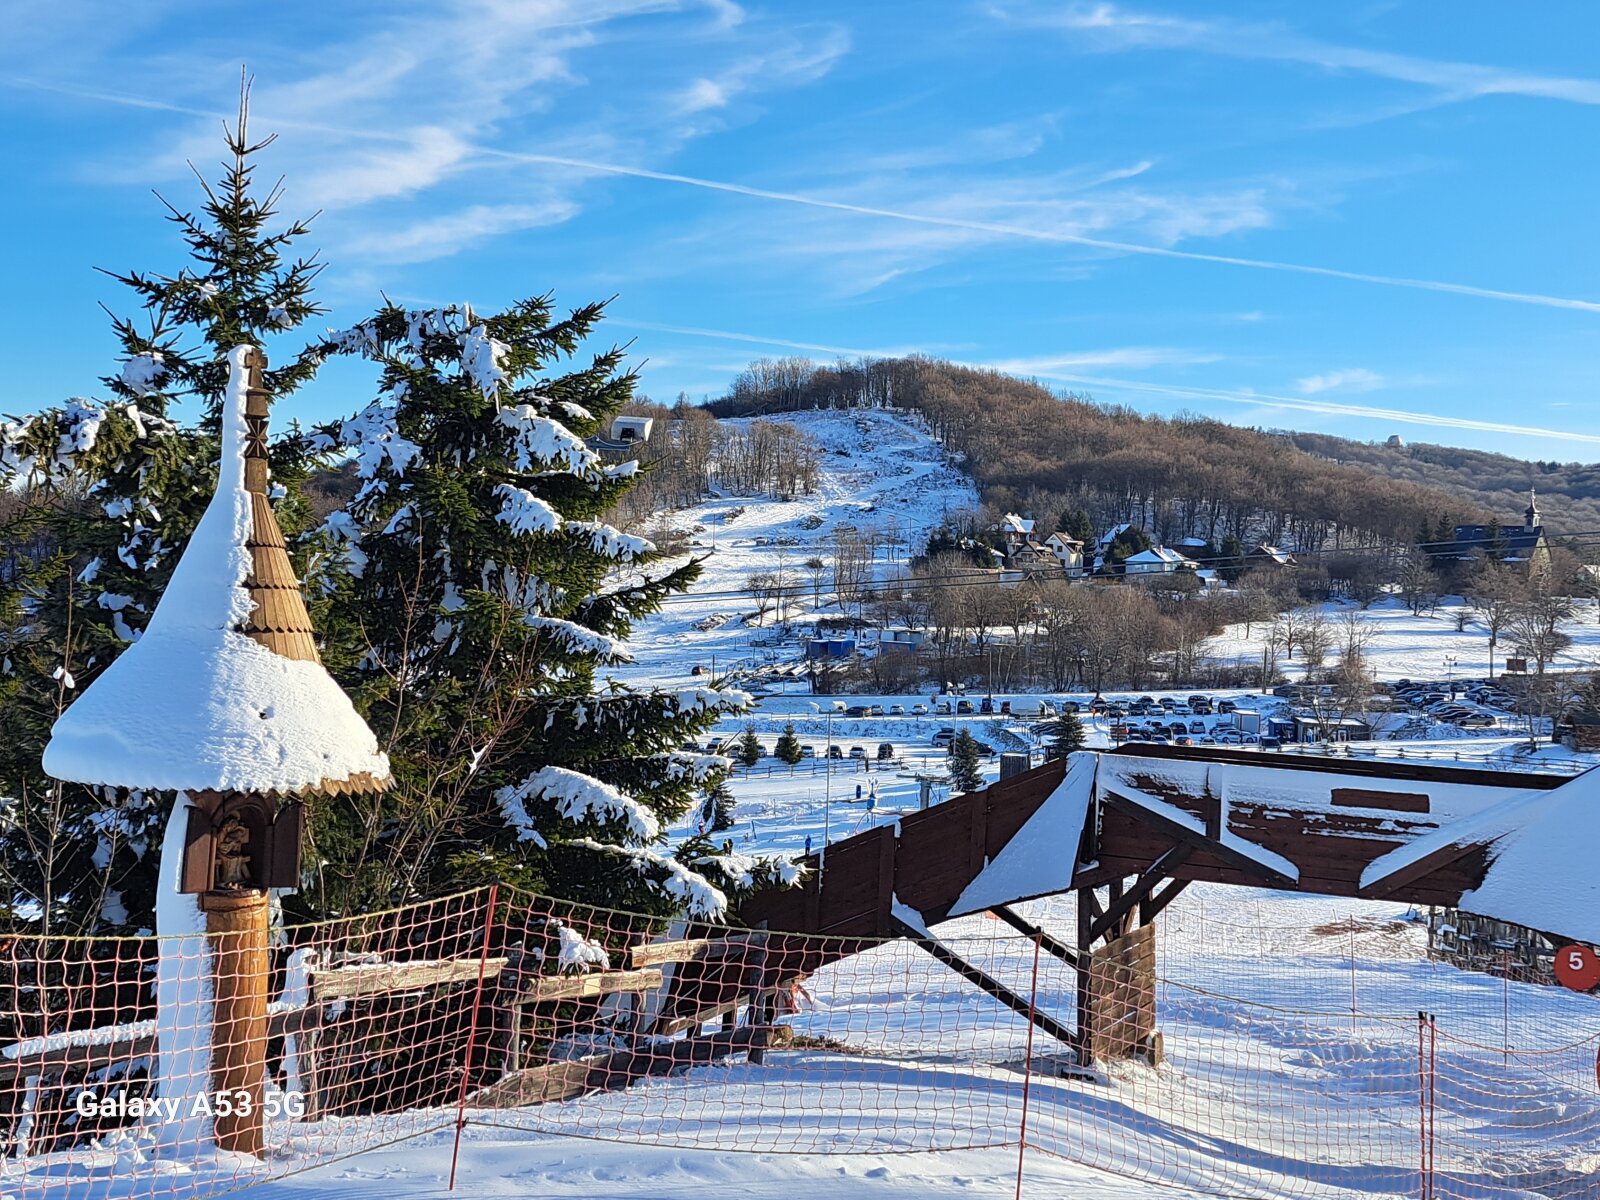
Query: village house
(1067, 551)
(1157, 560)
(900, 640)
(1270, 557)
(625, 436)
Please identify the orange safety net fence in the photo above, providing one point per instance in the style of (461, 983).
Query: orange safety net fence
(1246, 1065)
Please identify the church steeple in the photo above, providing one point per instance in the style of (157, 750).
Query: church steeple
(1530, 517)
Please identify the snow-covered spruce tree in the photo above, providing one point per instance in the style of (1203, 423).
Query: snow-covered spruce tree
(966, 763)
(1065, 735)
(748, 753)
(788, 749)
(108, 492)
(470, 596)
(716, 810)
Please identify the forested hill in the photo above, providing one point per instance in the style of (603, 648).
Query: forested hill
(1038, 453)
(1569, 493)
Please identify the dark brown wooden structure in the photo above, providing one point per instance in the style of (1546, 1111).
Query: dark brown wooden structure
(1153, 820)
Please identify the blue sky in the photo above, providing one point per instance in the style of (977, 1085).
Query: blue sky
(1118, 199)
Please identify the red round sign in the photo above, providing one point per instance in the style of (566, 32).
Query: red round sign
(1578, 967)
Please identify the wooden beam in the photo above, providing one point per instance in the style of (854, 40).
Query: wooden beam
(1150, 909)
(349, 983)
(1122, 905)
(98, 1055)
(1180, 832)
(1404, 877)
(655, 954)
(580, 987)
(987, 983)
(605, 1072)
(1049, 944)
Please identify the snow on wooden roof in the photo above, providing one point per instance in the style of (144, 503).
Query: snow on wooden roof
(224, 691)
(1541, 847)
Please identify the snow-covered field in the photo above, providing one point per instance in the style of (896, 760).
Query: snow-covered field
(1290, 1033)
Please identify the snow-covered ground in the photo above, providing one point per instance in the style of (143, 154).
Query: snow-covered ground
(1405, 646)
(1290, 1032)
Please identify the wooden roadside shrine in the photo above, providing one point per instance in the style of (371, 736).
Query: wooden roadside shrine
(244, 839)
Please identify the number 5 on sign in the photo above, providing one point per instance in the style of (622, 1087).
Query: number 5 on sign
(1577, 967)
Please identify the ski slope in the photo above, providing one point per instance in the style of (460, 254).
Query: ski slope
(880, 471)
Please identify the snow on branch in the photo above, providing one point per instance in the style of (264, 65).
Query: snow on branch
(697, 895)
(481, 356)
(375, 437)
(576, 797)
(612, 543)
(523, 512)
(142, 373)
(746, 872)
(576, 639)
(696, 768)
(575, 954)
(539, 443)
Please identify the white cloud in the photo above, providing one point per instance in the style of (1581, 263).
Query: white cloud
(1112, 27)
(1353, 379)
(1135, 357)
(427, 104)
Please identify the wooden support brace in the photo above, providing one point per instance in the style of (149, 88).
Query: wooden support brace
(992, 986)
(1179, 832)
(1047, 943)
(1151, 908)
(1121, 906)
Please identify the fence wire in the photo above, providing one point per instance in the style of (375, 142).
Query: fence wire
(504, 1009)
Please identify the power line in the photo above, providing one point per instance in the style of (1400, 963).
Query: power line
(982, 577)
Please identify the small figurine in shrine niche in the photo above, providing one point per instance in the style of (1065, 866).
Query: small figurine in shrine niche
(233, 857)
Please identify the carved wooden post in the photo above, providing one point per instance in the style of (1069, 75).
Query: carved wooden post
(236, 923)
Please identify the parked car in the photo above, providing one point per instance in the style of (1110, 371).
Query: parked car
(1071, 706)
(835, 752)
(944, 737)
(856, 710)
(808, 751)
(885, 750)
(897, 710)
(875, 710)
(1197, 726)
(919, 710)
(1267, 743)
(964, 707)
(1227, 706)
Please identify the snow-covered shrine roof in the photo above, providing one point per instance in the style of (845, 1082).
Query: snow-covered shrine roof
(224, 691)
